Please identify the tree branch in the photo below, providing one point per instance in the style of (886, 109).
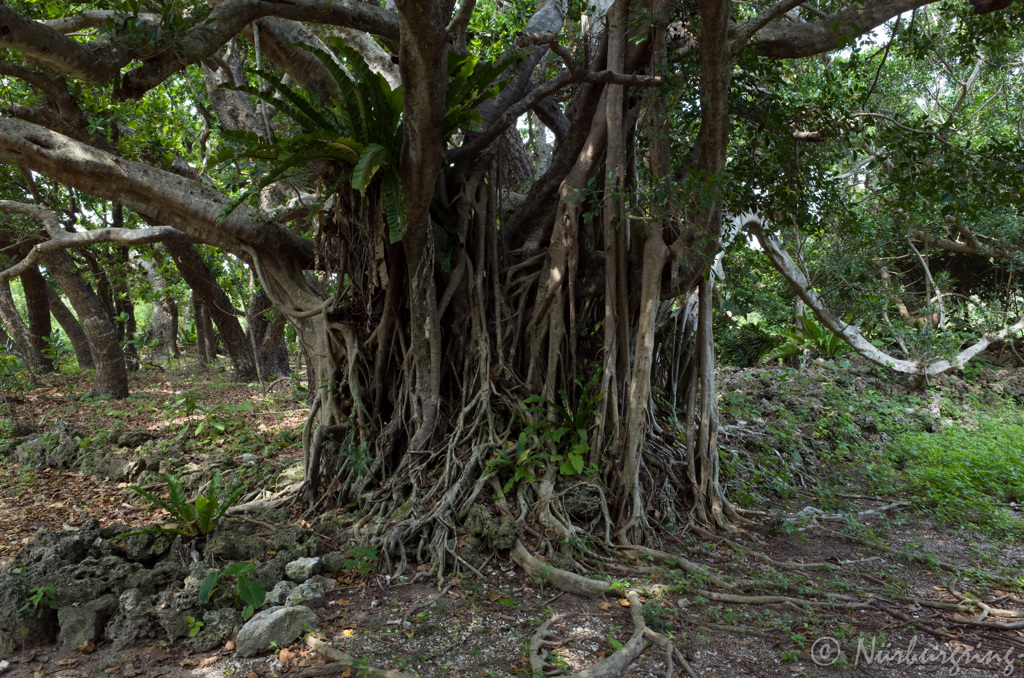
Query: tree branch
(746, 30)
(61, 240)
(851, 334)
(167, 198)
(793, 40)
(101, 61)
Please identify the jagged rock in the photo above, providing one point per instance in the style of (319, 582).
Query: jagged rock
(136, 620)
(133, 437)
(272, 571)
(300, 542)
(79, 624)
(280, 592)
(146, 548)
(500, 537)
(301, 569)
(231, 545)
(20, 627)
(57, 448)
(112, 463)
(171, 613)
(334, 561)
(305, 594)
(152, 580)
(89, 579)
(279, 625)
(217, 626)
(581, 501)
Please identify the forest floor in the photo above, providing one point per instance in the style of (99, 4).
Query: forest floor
(860, 574)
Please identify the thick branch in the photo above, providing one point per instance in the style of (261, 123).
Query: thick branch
(787, 40)
(167, 198)
(101, 61)
(745, 31)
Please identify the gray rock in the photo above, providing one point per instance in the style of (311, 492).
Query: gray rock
(301, 569)
(230, 545)
(301, 543)
(217, 626)
(272, 571)
(151, 581)
(306, 594)
(112, 463)
(57, 448)
(136, 620)
(280, 592)
(279, 625)
(334, 561)
(134, 437)
(143, 548)
(79, 624)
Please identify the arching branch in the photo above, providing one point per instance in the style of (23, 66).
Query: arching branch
(851, 333)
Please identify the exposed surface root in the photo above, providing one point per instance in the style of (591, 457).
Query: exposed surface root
(557, 577)
(339, 662)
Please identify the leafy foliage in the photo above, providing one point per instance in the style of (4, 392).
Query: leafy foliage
(966, 474)
(361, 129)
(198, 517)
(812, 336)
(561, 427)
(251, 592)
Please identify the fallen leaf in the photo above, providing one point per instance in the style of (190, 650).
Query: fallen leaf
(68, 662)
(86, 647)
(187, 663)
(493, 596)
(285, 656)
(112, 670)
(39, 673)
(253, 674)
(623, 602)
(605, 606)
(342, 601)
(229, 646)
(207, 661)
(159, 654)
(347, 674)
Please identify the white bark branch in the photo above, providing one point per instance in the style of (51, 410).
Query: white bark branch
(851, 334)
(61, 239)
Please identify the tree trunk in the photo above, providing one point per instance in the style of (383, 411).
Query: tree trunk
(34, 284)
(124, 307)
(268, 336)
(163, 325)
(206, 340)
(17, 329)
(200, 278)
(72, 328)
(111, 372)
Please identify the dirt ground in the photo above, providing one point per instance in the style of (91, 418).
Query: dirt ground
(901, 618)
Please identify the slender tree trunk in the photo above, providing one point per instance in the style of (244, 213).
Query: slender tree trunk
(206, 340)
(111, 372)
(17, 328)
(200, 278)
(124, 307)
(34, 284)
(72, 328)
(271, 347)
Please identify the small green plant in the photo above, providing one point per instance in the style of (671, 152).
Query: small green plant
(362, 559)
(250, 592)
(811, 336)
(55, 348)
(194, 626)
(561, 427)
(198, 517)
(40, 599)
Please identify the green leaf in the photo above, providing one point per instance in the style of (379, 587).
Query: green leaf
(616, 645)
(251, 591)
(206, 588)
(236, 569)
(369, 162)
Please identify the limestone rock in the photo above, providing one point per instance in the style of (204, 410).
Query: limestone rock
(280, 592)
(278, 625)
(306, 594)
(79, 624)
(301, 569)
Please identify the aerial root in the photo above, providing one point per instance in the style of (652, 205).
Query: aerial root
(339, 661)
(688, 566)
(538, 655)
